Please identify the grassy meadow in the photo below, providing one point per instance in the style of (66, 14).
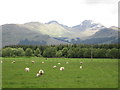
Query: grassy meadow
(98, 73)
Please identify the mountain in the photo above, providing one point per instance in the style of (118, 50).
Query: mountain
(52, 28)
(87, 28)
(36, 33)
(13, 34)
(88, 24)
(106, 32)
(103, 36)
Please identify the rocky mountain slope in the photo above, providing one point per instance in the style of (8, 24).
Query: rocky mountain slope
(36, 33)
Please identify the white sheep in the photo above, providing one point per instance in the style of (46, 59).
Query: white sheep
(81, 62)
(66, 62)
(62, 68)
(81, 67)
(54, 66)
(42, 62)
(33, 62)
(41, 72)
(59, 63)
(13, 61)
(38, 74)
(27, 69)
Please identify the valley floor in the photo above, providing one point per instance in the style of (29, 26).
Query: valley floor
(98, 73)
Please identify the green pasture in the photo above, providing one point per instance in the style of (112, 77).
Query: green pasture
(98, 73)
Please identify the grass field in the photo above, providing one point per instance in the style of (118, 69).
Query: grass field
(99, 73)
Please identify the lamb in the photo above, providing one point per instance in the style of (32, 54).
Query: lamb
(62, 68)
(81, 62)
(33, 62)
(81, 67)
(27, 69)
(54, 66)
(13, 61)
(38, 74)
(66, 62)
(42, 62)
(59, 63)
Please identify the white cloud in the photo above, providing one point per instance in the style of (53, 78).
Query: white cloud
(69, 12)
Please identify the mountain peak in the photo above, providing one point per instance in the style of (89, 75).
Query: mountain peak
(89, 24)
(33, 23)
(53, 22)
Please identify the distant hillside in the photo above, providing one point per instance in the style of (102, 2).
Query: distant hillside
(17, 34)
(53, 33)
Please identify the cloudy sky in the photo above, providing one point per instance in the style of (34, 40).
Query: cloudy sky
(68, 12)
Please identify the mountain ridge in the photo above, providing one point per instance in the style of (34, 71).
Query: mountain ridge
(55, 33)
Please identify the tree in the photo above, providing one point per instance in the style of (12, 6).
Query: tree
(50, 52)
(70, 53)
(114, 53)
(7, 52)
(20, 52)
(37, 52)
(108, 53)
(59, 53)
(14, 52)
(87, 52)
(64, 51)
(99, 53)
(78, 52)
(28, 52)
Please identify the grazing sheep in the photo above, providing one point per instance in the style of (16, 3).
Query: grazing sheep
(42, 62)
(81, 62)
(59, 63)
(62, 68)
(54, 66)
(13, 61)
(38, 74)
(27, 69)
(81, 67)
(41, 72)
(33, 62)
(66, 62)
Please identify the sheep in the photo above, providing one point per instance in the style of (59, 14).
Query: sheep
(27, 69)
(13, 61)
(66, 62)
(33, 62)
(54, 66)
(81, 62)
(38, 74)
(81, 67)
(41, 72)
(59, 63)
(42, 62)
(62, 68)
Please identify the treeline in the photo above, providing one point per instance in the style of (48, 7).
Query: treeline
(67, 51)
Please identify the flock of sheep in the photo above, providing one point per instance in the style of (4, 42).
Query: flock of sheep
(41, 72)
